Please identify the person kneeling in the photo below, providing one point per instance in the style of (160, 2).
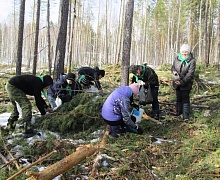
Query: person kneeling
(116, 110)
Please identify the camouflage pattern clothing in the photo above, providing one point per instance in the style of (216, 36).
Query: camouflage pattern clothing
(20, 86)
(20, 97)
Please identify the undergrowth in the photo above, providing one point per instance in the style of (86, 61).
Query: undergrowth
(171, 150)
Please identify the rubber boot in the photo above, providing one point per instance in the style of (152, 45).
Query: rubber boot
(28, 131)
(114, 131)
(179, 108)
(11, 122)
(186, 111)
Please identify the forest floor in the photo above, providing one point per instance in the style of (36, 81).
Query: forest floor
(171, 150)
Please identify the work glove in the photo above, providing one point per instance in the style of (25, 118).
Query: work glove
(139, 130)
(135, 106)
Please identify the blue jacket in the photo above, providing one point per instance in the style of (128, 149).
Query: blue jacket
(117, 106)
(59, 89)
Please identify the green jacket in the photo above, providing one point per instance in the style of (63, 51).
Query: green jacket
(148, 75)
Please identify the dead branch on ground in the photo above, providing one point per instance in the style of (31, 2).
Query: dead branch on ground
(29, 166)
(6, 149)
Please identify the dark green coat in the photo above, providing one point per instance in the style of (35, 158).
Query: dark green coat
(185, 71)
(148, 75)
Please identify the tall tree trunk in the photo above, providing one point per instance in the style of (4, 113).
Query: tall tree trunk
(127, 42)
(178, 26)
(20, 37)
(61, 40)
(36, 38)
(119, 39)
(205, 35)
(144, 57)
(218, 38)
(97, 36)
(200, 30)
(48, 38)
(106, 35)
(71, 36)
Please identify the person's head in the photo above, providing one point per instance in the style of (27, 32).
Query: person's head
(101, 73)
(135, 88)
(47, 81)
(135, 69)
(185, 50)
(70, 78)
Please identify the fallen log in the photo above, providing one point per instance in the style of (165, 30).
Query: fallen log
(68, 162)
(145, 116)
(102, 145)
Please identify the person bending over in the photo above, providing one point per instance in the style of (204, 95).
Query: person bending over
(18, 87)
(117, 110)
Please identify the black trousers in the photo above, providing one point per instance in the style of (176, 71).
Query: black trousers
(182, 96)
(115, 123)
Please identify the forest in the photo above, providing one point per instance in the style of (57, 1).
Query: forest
(158, 28)
(73, 141)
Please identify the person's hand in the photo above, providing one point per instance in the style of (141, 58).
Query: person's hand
(139, 130)
(174, 72)
(50, 110)
(177, 82)
(135, 106)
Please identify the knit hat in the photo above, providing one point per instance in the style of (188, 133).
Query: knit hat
(135, 88)
(47, 80)
(134, 68)
(185, 47)
(102, 72)
(71, 76)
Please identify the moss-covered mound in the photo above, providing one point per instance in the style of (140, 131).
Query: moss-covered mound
(83, 112)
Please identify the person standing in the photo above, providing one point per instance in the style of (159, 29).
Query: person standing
(183, 69)
(18, 87)
(64, 88)
(87, 76)
(148, 76)
(117, 110)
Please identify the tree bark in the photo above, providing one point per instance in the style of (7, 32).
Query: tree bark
(206, 61)
(61, 40)
(20, 37)
(218, 49)
(48, 38)
(36, 38)
(71, 36)
(120, 29)
(127, 42)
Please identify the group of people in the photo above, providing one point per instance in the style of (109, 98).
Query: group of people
(117, 108)
(67, 86)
